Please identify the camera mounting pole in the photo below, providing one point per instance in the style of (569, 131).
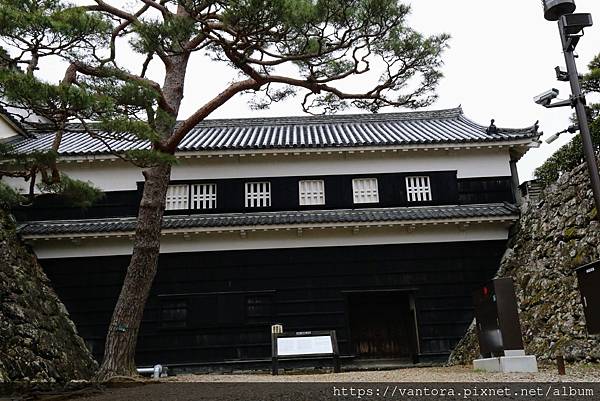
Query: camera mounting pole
(579, 104)
(570, 27)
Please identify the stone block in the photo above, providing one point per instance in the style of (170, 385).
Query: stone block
(507, 364)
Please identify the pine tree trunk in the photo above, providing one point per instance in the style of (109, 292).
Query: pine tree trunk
(122, 334)
(121, 339)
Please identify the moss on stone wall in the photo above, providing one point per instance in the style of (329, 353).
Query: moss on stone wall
(39, 342)
(554, 235)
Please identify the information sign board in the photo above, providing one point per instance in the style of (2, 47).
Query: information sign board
(304, 345)
(287, 346)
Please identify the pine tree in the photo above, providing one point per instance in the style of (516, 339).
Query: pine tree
(279, 49)
(33, 30)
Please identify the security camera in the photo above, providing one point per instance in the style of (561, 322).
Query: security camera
(545, 98)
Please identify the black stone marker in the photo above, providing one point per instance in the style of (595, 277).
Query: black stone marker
(497, 317)
(588, 277)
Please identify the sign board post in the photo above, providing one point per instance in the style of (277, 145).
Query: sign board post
(304, 345)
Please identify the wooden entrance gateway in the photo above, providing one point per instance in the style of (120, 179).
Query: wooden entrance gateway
(218, 307)
(382, 325)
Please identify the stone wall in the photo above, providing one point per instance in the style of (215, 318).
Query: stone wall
(556, 234)
(38, 341)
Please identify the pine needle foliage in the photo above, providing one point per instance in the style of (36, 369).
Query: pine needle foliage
(76, 193)
(9, 198)
(72, 192)
(324, 42)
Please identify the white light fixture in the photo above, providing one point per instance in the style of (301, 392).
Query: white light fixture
(553, 138)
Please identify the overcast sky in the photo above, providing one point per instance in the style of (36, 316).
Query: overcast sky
(502, 53)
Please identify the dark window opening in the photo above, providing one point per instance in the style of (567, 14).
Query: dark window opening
(259, 309)
(173, 314)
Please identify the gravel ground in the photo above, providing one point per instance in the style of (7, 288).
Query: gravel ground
(574, 373)
(322, 387)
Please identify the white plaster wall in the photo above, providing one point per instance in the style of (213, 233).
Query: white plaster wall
(6, 130)
(47, 249)
(116, 175)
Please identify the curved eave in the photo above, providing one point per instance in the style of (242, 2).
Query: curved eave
(274, 221)
(532, 130)
(463, 223)
(430, 130)
(522, 144)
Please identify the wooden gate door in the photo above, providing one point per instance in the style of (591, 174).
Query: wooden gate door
(382, 325)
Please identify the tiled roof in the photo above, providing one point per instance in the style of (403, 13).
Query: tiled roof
(339, 131)
(290, 218)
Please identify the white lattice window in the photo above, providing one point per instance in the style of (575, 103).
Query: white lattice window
(177, 197)
(365, 190)
(312, 192)
(204, 196)
(258, 194)
(418, 189)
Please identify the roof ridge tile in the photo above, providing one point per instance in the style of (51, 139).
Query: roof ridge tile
(351, 130)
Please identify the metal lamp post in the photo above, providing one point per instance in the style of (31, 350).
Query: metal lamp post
(571, 28)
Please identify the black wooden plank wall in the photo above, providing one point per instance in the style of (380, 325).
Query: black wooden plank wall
(338, 192)
(51, 207)
(485, 190)
(446, 190)
(219, 306)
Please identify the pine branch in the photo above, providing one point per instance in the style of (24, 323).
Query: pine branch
(130, 19)
(163, 10)
(113, 72)
(105, 7)
(119, 29)
(204, 111)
